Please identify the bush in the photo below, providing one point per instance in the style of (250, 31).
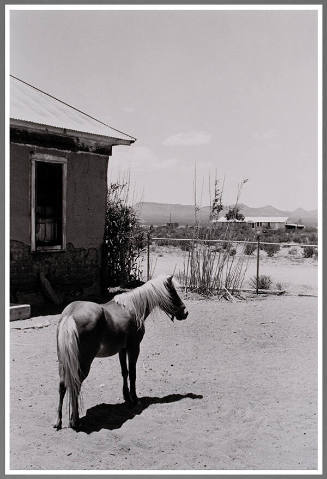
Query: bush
(280, 286)
(264, 282)
(271, 249)
(249, 248)
(185, 245)
(232, 252)
(308, 251)
(123, 238)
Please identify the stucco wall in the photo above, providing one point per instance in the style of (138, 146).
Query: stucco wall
(86, 188)
(80, 264)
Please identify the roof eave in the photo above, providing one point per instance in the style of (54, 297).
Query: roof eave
(38, 127)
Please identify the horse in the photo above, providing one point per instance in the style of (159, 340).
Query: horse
(87, 330)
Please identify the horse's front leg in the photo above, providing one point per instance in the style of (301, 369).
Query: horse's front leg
(133, 354)
(124, 372)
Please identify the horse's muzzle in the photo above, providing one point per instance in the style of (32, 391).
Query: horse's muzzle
(182, 316)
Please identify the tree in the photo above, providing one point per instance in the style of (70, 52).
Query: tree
(217, 205)
(234, 214)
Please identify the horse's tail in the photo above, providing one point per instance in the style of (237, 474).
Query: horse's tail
(68, 356)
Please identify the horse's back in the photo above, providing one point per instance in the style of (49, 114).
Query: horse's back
(85, 313)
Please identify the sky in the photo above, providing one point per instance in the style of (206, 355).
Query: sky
(228, 94)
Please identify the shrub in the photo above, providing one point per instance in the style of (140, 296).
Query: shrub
(293, 251)
(309, 251)
(280, 286)
(232, 252)
(185, 245)
(249, 248)
(123, 238)
(271, 249)
(264, 282)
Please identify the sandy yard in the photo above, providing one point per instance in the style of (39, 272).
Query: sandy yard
(232, 387)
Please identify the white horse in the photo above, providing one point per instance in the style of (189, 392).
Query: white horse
(87, 330)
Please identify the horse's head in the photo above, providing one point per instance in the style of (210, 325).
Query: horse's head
(178, 309)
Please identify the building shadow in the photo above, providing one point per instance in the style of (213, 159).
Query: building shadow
(113, 416)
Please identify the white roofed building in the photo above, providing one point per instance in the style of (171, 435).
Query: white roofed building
(272, 222)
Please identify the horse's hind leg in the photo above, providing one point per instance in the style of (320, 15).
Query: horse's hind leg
(74, 418)
(133, 354)
(85, 366)
(124, 372)
(62, 392)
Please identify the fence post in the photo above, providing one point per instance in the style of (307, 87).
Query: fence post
(148, 256)
(258, 258)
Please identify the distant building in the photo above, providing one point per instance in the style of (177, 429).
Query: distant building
(294, 226)
(269, 222)
(58, 183)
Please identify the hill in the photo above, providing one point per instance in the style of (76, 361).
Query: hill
(161, 213)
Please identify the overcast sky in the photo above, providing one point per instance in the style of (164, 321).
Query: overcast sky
(233, 92)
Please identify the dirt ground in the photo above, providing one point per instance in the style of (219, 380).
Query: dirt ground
(232, 387)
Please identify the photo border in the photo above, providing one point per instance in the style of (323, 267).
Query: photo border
(5, 225)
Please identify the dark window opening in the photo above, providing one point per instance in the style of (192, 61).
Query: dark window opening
(48, 203)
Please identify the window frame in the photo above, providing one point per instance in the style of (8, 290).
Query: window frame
(45, 158)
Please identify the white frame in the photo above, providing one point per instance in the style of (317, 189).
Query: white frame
(45, 158)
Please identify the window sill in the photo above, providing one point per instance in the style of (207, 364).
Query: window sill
(49, 249)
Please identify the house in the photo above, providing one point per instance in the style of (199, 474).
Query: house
(270, 222)
(258, 222)
(58, 182)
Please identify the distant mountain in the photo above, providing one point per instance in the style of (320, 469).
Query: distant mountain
(161, 213)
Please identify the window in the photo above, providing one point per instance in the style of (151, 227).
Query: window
(48, 218)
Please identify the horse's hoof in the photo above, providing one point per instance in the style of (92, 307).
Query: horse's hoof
(57, 426)
(136, 404)
(74, 425)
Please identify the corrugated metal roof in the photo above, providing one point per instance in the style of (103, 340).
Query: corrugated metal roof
(30, 104)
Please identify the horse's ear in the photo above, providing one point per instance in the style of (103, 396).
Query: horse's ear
(170, 278)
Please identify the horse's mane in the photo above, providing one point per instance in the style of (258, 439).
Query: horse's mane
(142, 300)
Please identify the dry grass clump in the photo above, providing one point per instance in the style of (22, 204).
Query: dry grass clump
(208, 270)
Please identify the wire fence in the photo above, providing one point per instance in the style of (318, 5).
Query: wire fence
(228, 262)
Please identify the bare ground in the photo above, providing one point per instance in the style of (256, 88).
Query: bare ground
(232, 387)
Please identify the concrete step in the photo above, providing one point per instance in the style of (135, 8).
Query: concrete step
(19, 311)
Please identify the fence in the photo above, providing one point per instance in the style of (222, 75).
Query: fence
(258, 245)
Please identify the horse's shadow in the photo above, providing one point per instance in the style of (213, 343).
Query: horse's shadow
(113, 416)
